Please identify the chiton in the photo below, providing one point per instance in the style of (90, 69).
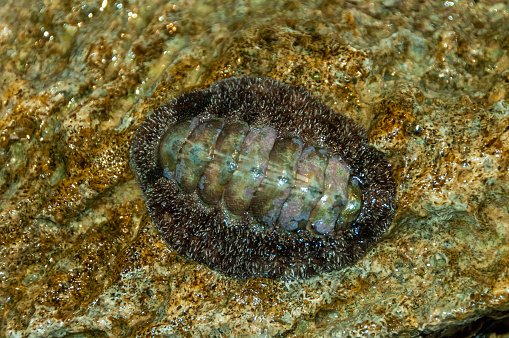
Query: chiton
(256, 178)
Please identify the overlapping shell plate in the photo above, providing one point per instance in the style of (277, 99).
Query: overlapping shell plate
(254, 177)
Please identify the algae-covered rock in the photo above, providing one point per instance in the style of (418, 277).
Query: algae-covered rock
(78, 252)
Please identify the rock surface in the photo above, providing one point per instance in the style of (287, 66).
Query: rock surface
(79, 255)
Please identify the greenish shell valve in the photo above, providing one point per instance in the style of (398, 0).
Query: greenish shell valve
(254, 171)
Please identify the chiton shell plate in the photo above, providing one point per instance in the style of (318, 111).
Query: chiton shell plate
(256, 178)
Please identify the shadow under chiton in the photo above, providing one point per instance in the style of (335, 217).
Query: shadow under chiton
(254, 177)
